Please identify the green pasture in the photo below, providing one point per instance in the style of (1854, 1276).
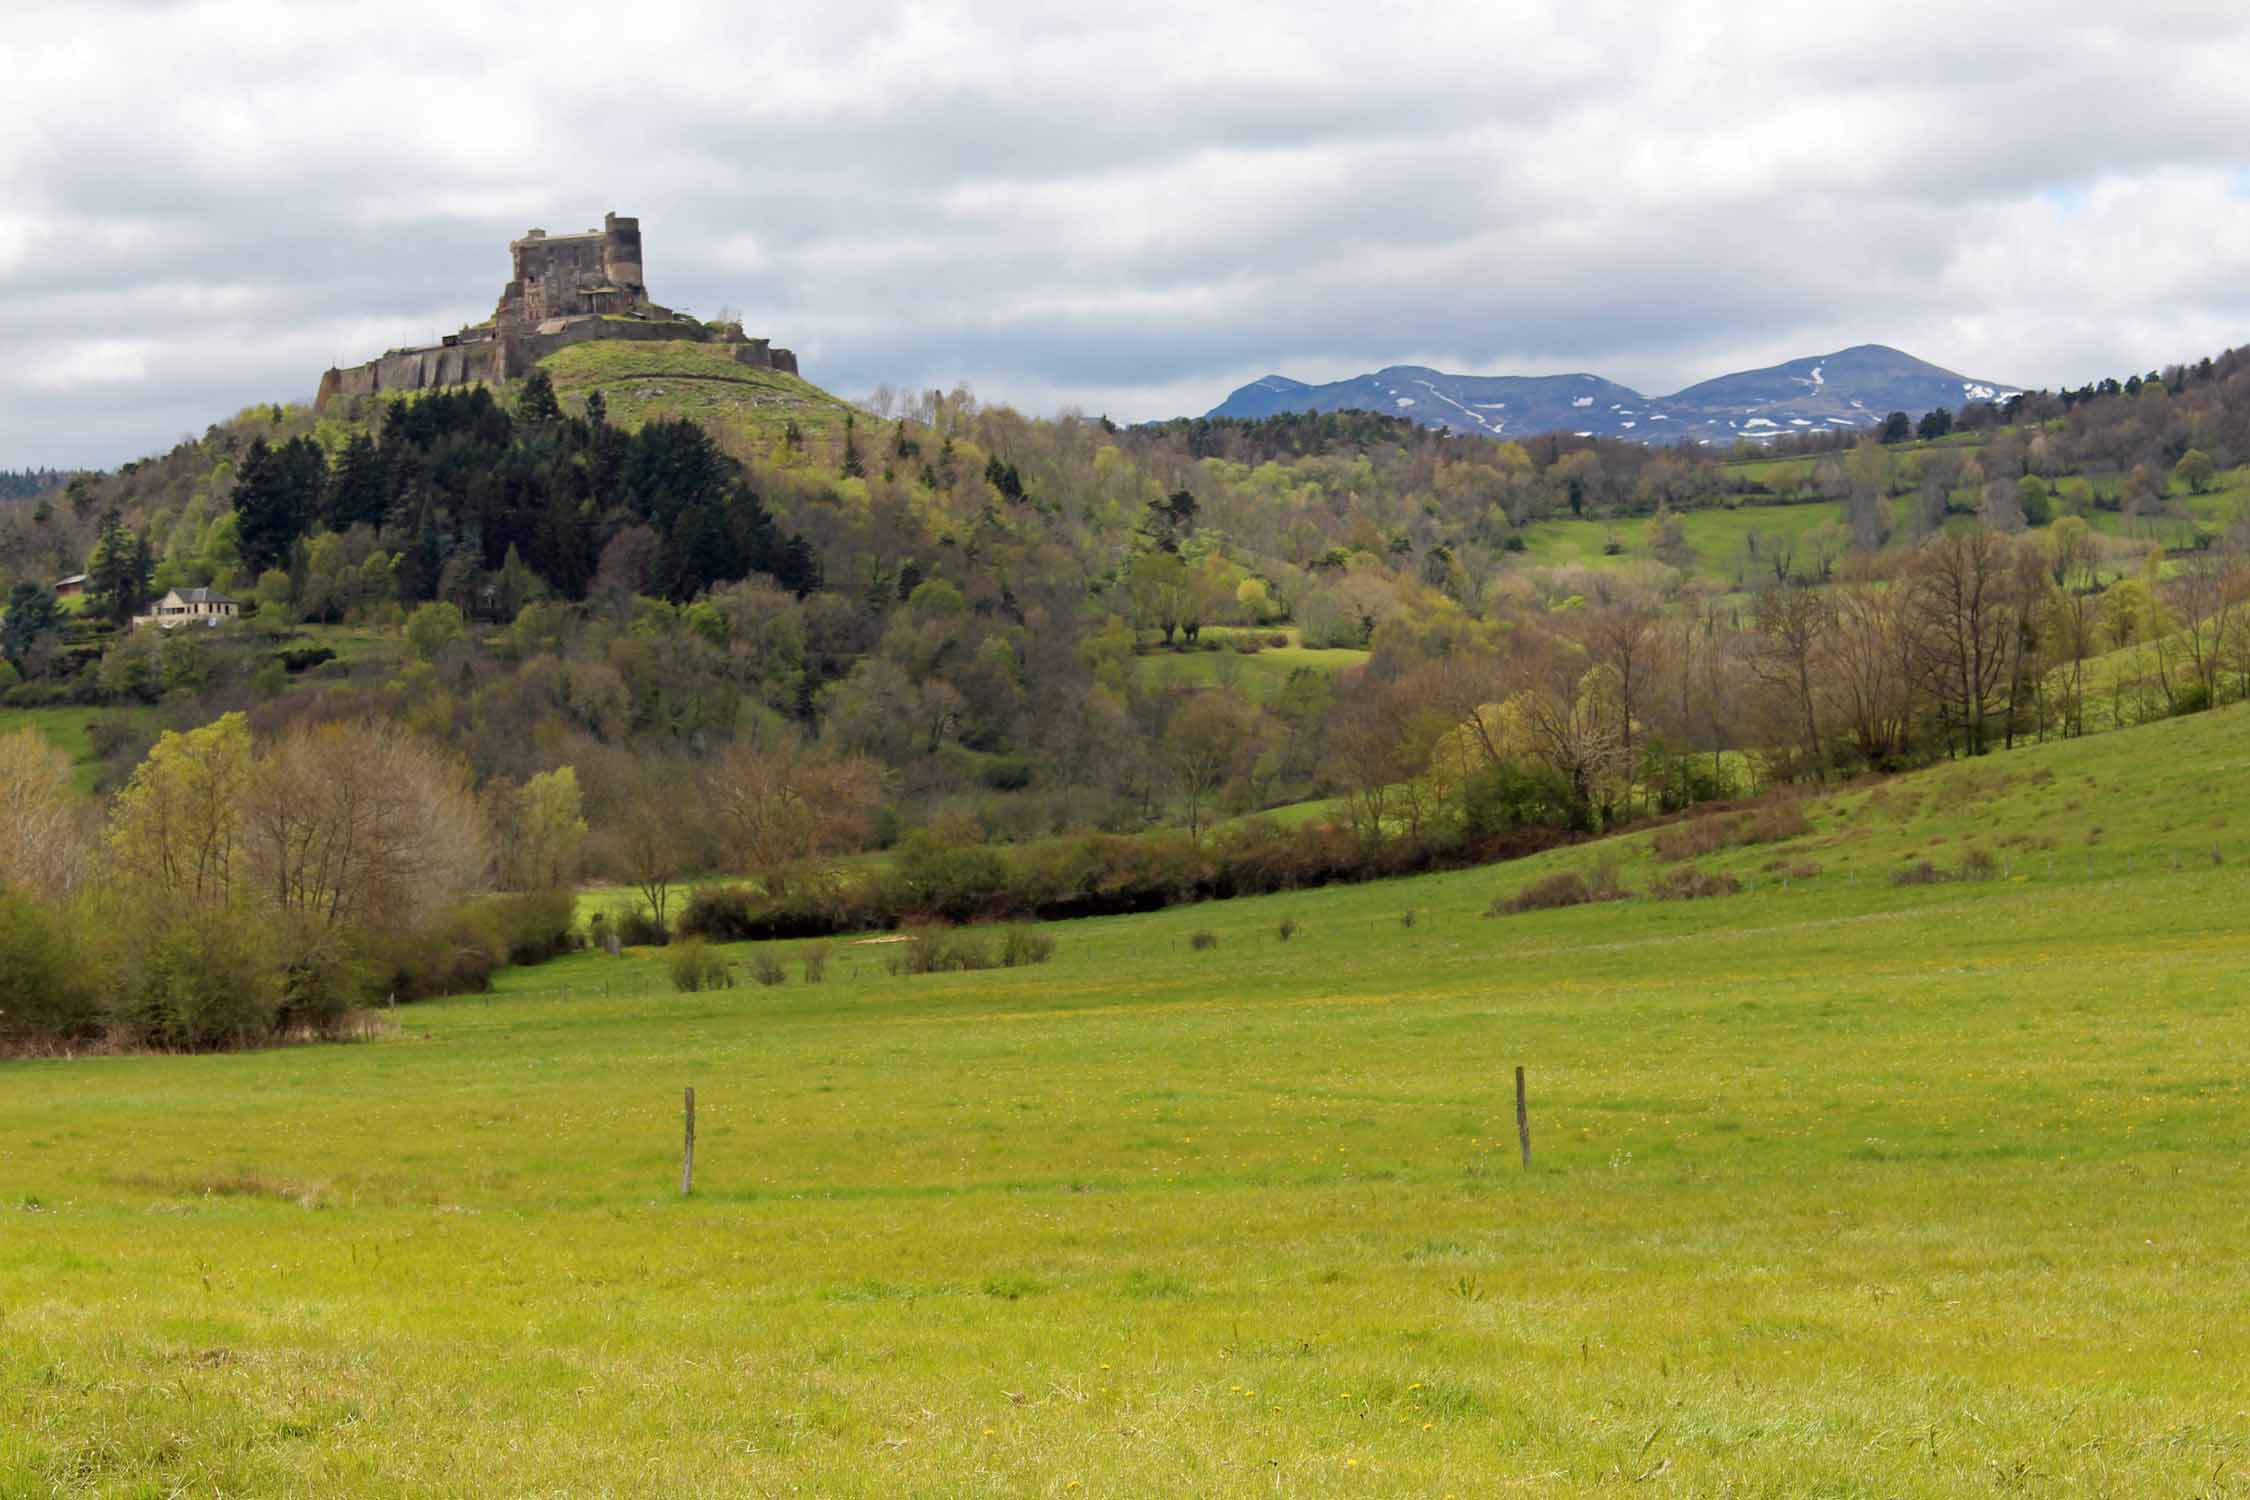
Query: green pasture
(642, 382)
(1840, 1187)
(66, 729)
(1718, 537)
(1257, 676)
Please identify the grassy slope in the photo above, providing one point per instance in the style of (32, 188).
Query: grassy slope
(66, 729)
(1843, 1188)
(1717, 535)
(1257, 676)
(640, 382)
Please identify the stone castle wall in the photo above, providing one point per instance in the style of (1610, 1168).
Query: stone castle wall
(567, 289)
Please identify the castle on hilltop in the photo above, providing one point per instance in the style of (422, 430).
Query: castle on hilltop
(567, 289)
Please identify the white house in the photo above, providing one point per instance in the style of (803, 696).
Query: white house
(190, 607)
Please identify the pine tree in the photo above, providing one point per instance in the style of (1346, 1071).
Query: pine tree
(537, 406)
(32, 612)
(115, 584)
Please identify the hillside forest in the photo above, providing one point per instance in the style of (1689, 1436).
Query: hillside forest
(817, 668)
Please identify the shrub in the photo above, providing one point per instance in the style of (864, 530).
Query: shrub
(1784, 819)
(455, 954)
(1563, 888)
(1697, 836)
(635, 927)
(723, 914)
(1406, 918)
(537, 925)
(766, 968)
(815, 960)
(322, 983)
(1504, 797)
(1007, 773)
(937, 950)
(1691, 884)
(198, 978)
(932, 877)
(49, 989)
(1978, 864)
(696, 965)
(1921, 872)
(1021, 946)
(1278, 639)
(1287, 929)
(1203, 939)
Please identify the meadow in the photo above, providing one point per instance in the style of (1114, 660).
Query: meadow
(1840, 1187)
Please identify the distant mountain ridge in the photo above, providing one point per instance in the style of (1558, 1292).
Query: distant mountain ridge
(1852, 388)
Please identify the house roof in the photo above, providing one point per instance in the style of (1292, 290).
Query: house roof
(63, 583)
(202, 596)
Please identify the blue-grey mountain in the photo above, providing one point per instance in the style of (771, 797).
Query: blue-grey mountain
(1852, 388)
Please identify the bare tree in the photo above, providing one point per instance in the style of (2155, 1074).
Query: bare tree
(1967, 611)
(362, 825)
(44, 836)
(780, 810)
(1793, 623)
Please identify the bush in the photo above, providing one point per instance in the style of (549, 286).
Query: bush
(50, 991)
(937, 950)
(635, 926)
(1978, 864)
(1203, 939)
(1563, 888)
(1007, 773)
(1504, 797)
(1406, 918)
(535, 926)
(455, 955)
(766, 967)
(198, 978)
(1021, 946)
(1693, 885)
(723, 914)
(1697, 836)
(322, 983)
(931, 877)
(1783, 819)
(1287, 929)
(695, 965)
(1921, 872)
(815, 960)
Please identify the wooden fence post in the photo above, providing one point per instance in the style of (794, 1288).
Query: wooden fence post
(1523, 1120)
(687, 1154)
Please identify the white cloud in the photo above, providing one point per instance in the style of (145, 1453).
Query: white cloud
(1130, 208)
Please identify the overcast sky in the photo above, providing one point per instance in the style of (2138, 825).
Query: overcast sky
(1118, 207)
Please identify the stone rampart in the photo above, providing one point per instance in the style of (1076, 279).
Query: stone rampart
(567, 289)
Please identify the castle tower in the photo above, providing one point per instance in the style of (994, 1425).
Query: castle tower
(621, 255)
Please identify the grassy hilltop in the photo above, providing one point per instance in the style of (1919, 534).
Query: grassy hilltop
(1841, 1186)
(642, 382)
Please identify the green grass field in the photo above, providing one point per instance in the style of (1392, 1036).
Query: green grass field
(1257, 676)
(701, 382)
(1840, 1188)
(66, 729)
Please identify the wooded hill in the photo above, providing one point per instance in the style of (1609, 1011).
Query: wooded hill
(789, 630)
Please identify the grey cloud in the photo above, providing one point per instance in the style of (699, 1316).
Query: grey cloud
(1117, 207)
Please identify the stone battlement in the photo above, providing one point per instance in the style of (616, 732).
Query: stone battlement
(566, 289)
